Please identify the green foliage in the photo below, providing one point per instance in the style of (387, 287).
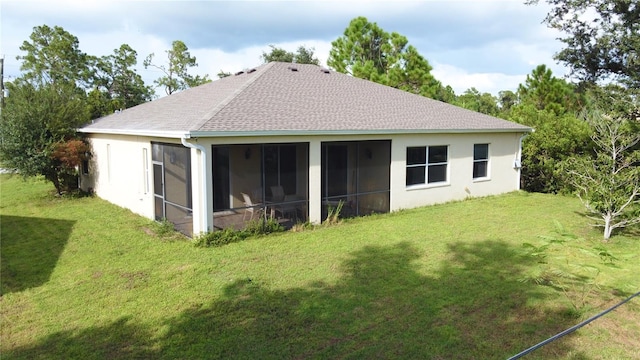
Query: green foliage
(53, 57)
(603, 38)
(507, 99)
(219, 238)
(576, 280)
(176, 72)
(223, 74)
(333, 214)
(608, 182)
(34, 122)
(484, 103)
(229, 235)
(302, 56)
(117, 85)
(556, 138)
(263, 226)
(164, 228)
(547, 92)
(368, 52)
(393, 286)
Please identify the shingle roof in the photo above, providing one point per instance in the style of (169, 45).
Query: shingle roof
(274, 98)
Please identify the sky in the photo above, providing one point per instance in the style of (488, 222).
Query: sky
(488, 44)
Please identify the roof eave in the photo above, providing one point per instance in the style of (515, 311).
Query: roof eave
(149, 133)
(201, 134)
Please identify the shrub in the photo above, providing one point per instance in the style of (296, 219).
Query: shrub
(164, 228)
(263, 227)
(228, 235)
(333, 214)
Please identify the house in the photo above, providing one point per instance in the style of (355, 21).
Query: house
(231, 149)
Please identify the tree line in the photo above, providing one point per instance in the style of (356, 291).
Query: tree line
(587, 132)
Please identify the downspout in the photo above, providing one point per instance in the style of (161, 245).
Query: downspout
(205, 196)
(517, 162)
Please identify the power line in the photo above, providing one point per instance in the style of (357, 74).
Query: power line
(571, 329)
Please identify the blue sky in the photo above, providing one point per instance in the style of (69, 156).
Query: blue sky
(487, 44)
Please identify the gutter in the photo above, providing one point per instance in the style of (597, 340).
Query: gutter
(351, 132)
(149, 133)
(517, 162)
(205, 195)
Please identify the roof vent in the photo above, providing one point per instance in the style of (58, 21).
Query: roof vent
(292, 68)
(324, 70)
(250, 71)
(239, 73)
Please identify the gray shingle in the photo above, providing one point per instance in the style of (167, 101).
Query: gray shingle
(274, 98)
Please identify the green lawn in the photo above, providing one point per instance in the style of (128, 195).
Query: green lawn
(84, 279)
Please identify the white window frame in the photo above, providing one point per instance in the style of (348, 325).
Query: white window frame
(145, 167)
(426, 165)
(487, 175)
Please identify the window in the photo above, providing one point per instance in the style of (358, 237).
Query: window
(145, 166)
(480, 161)
(85, 167)
(426, 165)
(109, 163)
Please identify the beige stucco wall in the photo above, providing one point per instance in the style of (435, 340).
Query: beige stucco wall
(116, 172)
(121, 172)
(503, 177)
(118, 175)
(503, 148)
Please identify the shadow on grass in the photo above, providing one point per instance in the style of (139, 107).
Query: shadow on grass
(30, 249)
(383, 307)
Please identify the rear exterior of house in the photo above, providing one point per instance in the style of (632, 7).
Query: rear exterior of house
(293, 142)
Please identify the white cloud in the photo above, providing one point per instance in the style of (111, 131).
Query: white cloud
(212, 61)
(487, 44)
(461, 80)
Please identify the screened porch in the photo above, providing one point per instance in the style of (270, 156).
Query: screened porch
(356, 176)
(260, 181)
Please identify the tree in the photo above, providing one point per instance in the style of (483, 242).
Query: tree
(507, 99)
(603, 38)
(47, 105)
(608, 183)
(53, 56)
(118, 83)
(484, 103)
(35, 121)
(547, 92)
(302, 56)
(223, 74)
(555, 139)
(368, 52)
(176, 76)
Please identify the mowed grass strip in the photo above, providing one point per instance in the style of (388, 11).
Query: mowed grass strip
(82, 278)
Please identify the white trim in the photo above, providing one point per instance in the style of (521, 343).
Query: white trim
(196, 134)
(109, 163)
(429, 185)
(193, 134)
(145, 169)
(149, 133)
(426, 166)
(487, 175)
(204, 179)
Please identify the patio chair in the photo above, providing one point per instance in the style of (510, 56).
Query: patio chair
(256, 194)
(251, 207)
(289, 208)
(277, 193)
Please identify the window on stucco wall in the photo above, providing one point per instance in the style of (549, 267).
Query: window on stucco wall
(427, 165)
(480, 161)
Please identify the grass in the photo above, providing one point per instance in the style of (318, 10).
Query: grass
(84, 279)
